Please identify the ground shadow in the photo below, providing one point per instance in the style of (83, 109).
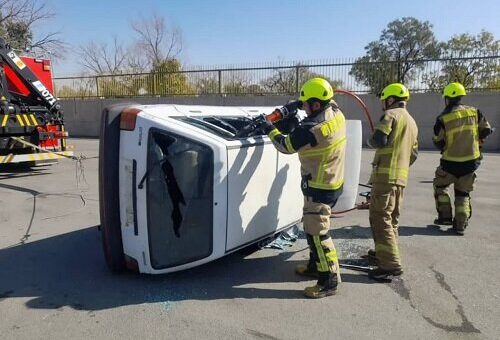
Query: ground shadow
(359, 232)
(20, 170)
(69, 270)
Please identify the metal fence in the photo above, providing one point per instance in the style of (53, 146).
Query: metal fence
(476, 72)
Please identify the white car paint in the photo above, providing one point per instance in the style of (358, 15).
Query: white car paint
(256, 190)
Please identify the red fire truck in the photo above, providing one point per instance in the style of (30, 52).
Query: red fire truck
(31, 118)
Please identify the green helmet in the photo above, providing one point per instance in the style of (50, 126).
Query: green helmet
(317, 88)
(395, 90)
(454, 90)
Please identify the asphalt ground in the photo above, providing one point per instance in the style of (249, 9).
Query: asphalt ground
(54, 283)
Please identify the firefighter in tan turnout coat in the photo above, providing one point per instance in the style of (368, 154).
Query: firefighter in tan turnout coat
(320, 141)
(395, 140)
(459, 133)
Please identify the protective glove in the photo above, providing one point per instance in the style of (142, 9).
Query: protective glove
(290, 110)
(263, 124)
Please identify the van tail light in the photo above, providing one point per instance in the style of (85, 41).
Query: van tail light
(46, 65)
(128, 117)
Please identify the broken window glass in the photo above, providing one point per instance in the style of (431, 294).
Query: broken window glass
(179, 199)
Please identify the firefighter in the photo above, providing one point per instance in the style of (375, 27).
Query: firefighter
(320, 141)
(459, 133)
(395, 140)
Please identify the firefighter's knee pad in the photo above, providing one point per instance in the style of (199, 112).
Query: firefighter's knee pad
(316, 218)
(443, 206)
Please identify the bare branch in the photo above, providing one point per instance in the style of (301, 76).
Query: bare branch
(156, 40)
(102, 58)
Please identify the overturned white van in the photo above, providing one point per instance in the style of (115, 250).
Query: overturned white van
(178, 189)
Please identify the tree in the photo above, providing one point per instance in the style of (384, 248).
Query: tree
(156, 41)
(207, 85)
(101, 58)
(285, 80)
(156, 46)
(469, 61)
(19, 26)
(166, 78)
(397, 54)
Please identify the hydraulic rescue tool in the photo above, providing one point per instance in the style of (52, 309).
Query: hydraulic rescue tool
(287, 112)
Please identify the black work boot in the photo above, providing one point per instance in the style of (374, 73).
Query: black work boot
(384, 275)
(327, 285)
(371, 257)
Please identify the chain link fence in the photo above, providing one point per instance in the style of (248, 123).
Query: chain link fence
(477, 73)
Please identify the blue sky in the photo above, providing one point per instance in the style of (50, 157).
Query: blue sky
(238, 32)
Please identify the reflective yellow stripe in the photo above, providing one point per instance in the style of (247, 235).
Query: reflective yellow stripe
(321, 173)
(397, 147)
(273, 134)
(26, 119)
(396, 171)
(288, 144)
(326, 186)
(333, 125)
(384, 128)
(7, 159)
(470, 127)
(332, 256)
(323, 264)
(443, 199)
(320, 152)
(63, 140)
(476, 155)
(385, 151)
(383, 248)
(33, 119)
(31, 157)
(4, 121)
(450, 138)
(458, 115)
(20, 120)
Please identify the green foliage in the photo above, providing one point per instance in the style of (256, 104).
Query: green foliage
(285, 80)
(17, 34)
(167, 78)
(475, 69)
(397, 53)
(207, 85)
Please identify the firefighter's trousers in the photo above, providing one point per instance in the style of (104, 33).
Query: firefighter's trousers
(316, 220)
(385, 204)
(462, 186)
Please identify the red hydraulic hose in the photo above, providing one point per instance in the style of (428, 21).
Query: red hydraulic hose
(363, 105)
(363, 205)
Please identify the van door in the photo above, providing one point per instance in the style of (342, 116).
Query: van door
(179, 199)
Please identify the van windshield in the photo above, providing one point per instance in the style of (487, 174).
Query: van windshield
(179, 198)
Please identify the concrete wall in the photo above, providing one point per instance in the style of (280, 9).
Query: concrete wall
(82, 116)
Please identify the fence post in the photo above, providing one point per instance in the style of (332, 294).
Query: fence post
(97, 86)
(219, 76)
(297, 79)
